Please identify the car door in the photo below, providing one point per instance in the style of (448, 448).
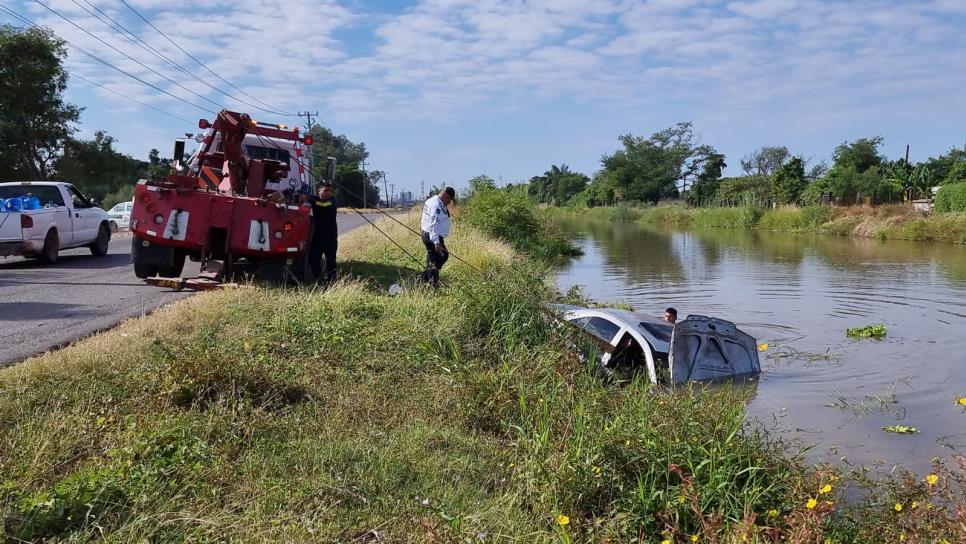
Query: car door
(87, 220)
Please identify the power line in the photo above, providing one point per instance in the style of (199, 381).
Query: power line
(129, 57)
(210, 71)
(146, 105)
(102, 61)
(133, 38)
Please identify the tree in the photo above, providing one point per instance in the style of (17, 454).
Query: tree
(34, 119)
(860, 155)
(649, 169)
(789, 181)
(351, 185)
(707, 183)
(765, 162)
(326, 144)
(557, 185)
(97, 169)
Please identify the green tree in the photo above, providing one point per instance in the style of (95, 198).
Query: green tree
(860, 155)
(956, 174)
(34, 119)
(649, 169)
(557, 185)
(97, 169)
(351, 185)
(706, 186)
(789, 181)
(326, 144)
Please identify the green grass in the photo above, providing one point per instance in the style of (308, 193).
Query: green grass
(457, 415)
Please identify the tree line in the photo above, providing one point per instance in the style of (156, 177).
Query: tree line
(38, 132)
(674, 164)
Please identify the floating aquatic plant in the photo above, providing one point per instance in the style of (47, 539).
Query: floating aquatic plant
(876, 330)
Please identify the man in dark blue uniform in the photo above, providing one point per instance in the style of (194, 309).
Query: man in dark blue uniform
(325, 233)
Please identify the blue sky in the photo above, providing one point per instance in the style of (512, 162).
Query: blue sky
(442, 90)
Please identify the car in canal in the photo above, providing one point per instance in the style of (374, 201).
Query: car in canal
(699, 348)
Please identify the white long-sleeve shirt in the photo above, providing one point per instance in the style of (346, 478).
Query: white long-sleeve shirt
(435, 219)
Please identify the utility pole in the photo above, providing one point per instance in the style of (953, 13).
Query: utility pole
(308, 128)
(392, 191)
(385, 185)
(365, 183)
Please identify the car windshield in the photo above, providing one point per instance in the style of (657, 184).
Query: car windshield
(275, 154)
(118, 208)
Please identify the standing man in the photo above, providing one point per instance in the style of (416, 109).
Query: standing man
(435, 224)
(325, 234)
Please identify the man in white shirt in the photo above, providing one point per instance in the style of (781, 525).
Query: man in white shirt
(435, 224)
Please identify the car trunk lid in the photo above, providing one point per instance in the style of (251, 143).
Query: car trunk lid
(706, 348)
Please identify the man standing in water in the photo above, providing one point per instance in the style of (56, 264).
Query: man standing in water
(435, 224)
(325, 235)
(671, 315)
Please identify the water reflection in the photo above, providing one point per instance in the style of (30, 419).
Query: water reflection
(801, 292)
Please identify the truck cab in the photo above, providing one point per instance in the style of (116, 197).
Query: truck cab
(38, 219)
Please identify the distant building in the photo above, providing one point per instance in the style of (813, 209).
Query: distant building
(405, 196)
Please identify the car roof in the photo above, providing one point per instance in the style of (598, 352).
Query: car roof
(656, 331)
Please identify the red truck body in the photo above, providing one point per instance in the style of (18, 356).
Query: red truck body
(220, 211)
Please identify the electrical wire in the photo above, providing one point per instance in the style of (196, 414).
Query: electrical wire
(407, 227)
(102, 61)
(129, 57)
(146, 105)
(279, 111)
(113, 24)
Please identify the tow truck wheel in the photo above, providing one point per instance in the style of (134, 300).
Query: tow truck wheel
(177, 266)
(51, 248)
(102, 243)
(141, 269)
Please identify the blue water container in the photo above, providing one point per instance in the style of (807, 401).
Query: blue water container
(31, 203)
(14, 204)
(3, 208)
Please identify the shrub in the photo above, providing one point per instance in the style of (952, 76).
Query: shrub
(951, 198)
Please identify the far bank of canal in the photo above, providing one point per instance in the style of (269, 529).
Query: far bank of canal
(799, 293)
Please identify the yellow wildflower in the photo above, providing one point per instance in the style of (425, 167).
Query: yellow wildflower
(694, 538)
(811, 503)
(897, 507)
(680, 499)
(772, 513)
(666, 541)
(961, 401)
(914, 505)
(597, 471)
(825, 489)
(562, 520)
(762, 347)
(932, 479)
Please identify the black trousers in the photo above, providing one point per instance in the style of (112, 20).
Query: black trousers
(323, 244)
(434, 260)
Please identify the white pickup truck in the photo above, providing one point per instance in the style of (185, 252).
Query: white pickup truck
(40, 218)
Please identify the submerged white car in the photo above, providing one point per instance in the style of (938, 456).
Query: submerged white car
(698, 348)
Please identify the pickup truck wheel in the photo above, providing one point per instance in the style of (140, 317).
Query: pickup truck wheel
(102, 243)
(51, 248)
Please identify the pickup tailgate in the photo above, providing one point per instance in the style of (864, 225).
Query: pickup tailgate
(10, 227)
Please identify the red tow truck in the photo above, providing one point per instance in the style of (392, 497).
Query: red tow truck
(223, 211)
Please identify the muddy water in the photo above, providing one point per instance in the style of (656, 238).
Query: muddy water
(799, 293)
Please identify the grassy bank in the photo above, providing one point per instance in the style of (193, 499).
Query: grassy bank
(348, 415)
(892, 222)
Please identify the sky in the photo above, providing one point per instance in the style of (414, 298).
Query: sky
(444, 90)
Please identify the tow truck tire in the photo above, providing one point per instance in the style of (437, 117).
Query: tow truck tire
(177, 266)
(141, 269)
(51, 250)
(101, 245)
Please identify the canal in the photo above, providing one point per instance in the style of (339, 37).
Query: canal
(799, 293)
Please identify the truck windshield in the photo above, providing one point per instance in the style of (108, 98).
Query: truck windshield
(273, 154)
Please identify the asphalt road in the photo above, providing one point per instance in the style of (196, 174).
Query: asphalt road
(43, 307)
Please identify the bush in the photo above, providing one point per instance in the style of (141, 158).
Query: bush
(510, 215)
(951, 198)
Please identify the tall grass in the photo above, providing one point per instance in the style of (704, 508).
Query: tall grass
(457, 415)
